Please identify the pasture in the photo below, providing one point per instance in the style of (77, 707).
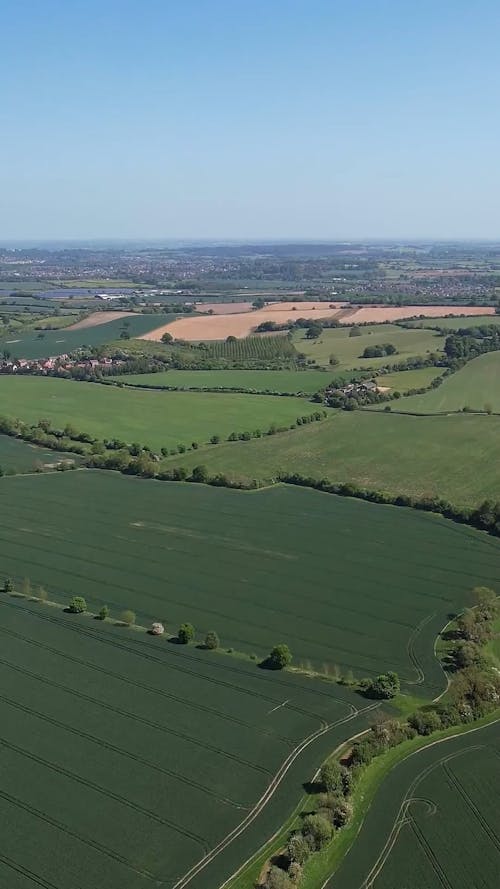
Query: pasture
(376, 450)
(477, 386)
(126, 759)
(158, 419)
(402, 380)
(348, 350)
(343, 582)
(434, 821)
(290, 381)
(457, 323)
(22, 456)
(29, 344)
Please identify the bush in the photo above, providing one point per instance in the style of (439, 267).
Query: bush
(384, 686)
(128, 617)
(103, 613)
(8, 586)
(185, 634)
(77, 605)
(298, 848)
(318, 829)
(331, 776)
(425, 721)
(212, 640)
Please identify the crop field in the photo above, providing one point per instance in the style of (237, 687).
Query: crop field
(343, 582)
(22, 456)
(158, 419)
(376, 450)
(254, 347)
(434, 821)
(457, 323)
(402, 380)
(290, 381)
(348, 350)
(477, 386)
(127, 759)
(28, 344)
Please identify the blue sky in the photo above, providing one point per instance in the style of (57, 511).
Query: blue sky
(235, 119)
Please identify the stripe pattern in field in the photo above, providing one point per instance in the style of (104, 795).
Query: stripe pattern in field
(341, 581)
(125, 760)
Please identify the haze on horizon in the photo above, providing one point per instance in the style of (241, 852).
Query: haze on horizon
(290, 120)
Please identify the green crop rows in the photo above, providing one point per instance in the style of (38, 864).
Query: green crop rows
(258, 347)
(289, 381)
(476, 386)
(341, 581)
(126, 759)
(434, 822)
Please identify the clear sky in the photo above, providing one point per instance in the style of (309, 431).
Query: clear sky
(314, 119)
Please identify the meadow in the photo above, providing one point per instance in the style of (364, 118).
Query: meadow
(343, 582)
(126, 759)
(476, 386)
(434, 821)
(456, 323)
(381, 451)
(290, 381)
(27, 343)
(158, 419)
(348, 350)
(403, 380)
(21, 456)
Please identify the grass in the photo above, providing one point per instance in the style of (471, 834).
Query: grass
(282, 564)
(397, 454)
(348, 350)
(457, 323)
(157, 419)
(449, 827)
(403, 380)
(477, 385)
(93, 283)
(289, 381)
(26, 343)
(127, 758)
(21, 456)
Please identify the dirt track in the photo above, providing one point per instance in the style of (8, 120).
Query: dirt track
(241, 324)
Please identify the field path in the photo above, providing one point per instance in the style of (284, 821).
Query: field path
(266, 796)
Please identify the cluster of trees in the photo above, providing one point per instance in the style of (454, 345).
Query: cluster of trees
(379, 351)
(383, 687)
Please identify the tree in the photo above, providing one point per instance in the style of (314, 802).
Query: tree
(167, 338)
(314, 330)
(8, 585)
(77, 605)
(319, 829)
(331, 776)
(486, 601)
(231, 339)
(298, 848)
(103, 613)
(199, 474)
(259, 303)
(333, 361)
(128, 617)
(26, 587)
(278, 879)
(280, 657)
(466, 654)
(215, 439)
(386, 685)
(185, 634)
(212, 640)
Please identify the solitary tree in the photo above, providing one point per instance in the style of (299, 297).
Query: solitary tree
(280, 657)
(128, 617)
(185, 634)
(77, 605)
(212, 640)
(167, 338)
(103, 613)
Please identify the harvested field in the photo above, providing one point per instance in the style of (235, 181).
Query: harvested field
(380, 580)
(97, 318)
(126, 759)
(434, 821)
(241, 324)
(224, 308)
(218, 327)
(373, 314)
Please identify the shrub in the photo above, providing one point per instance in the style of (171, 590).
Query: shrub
(128, 617)
(280, 657)
(212, 640)
(103, 613)
(425, 721)
(298, 848)
(8, 585)
(185, 634)
(319, 829)
(77, 605)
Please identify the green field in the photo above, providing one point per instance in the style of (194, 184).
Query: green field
(342, 581)
(348, 350)
(289, 381)
(403, 380)
(158, 419)
(26, 343)
(379, 451)
(434, 821)
(22, 456)
(457, 323)
(126, 759)
(477, 385)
